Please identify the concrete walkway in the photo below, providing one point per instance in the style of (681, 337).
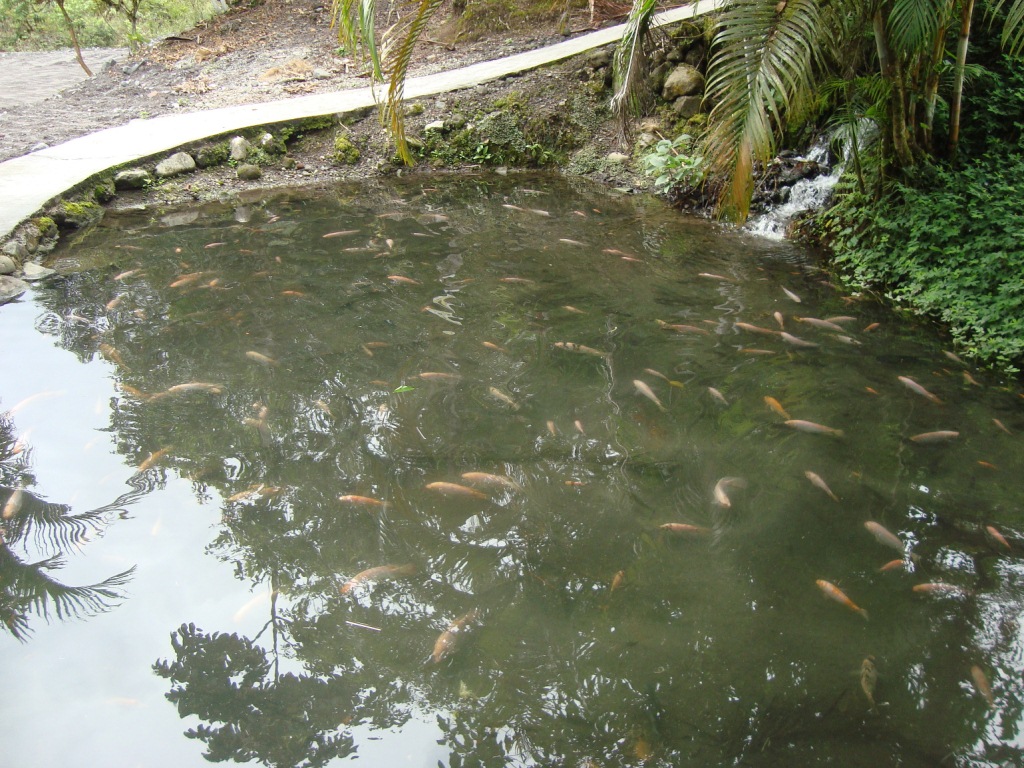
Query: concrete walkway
(29, 182)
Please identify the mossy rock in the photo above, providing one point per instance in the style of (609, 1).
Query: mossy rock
(47, 227)
(103, 189)
(212, 155)
(76, 214)
(345, 152)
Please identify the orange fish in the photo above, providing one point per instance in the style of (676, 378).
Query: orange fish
(893, 565)
(756, 329)
(365, 501)
(152, 459)
(450, 640)
(792, 296)
(997, 537)
(379, 572)
(812, 428)
(678, 328)
(454, 489)
(403, 279)
(643, 389)
(495, 347)
(1001, 426)
(259, 357)
(13, 504)
(619, 577)
(438, 376)
(486, 478)
(721, 497)
(717, 395)
(981, 683)
(776, 406)
(796, 341)
(342, 233)
(693, 530)
(939, 436)
(884, 536)
(817, 482)
(571, 346)
(835, 593)
(824, 324)
(916, 388)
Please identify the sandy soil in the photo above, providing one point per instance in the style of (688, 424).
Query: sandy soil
(248, 55)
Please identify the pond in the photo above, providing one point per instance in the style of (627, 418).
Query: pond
(495, 471)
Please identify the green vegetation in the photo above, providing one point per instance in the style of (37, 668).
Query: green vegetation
(30, 25)
(672, 165)
(345, 152)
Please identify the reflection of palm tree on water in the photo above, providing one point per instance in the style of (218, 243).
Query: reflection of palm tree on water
(38, 527)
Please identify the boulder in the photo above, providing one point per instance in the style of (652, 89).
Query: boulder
(616, 157)
(687, 106)
(16, 250)
(249, 172)
(133, 178)
(238, 149)
(683, 80)
(601, 57)
(7, 265)
(11, 288)
(175, 165)
(32, 272)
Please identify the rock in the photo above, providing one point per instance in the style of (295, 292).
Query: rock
(238, 149)
(16, 250)
(175, 165)
(616, 157)
(289, 163)
(602, 57)
(32, 272)
(684, 80)
(211, 155)
(270, 144)
(39, 146)
(646, 139)
(7, 265)
(249, 172)
(456, 122)
(650, 125)
(436, 125)
(687, 106)
(133, 178)
(11, 288)
(695, 55)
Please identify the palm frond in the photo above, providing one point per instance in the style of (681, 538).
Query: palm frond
(1013, 30)
(628, 64)
(355, 22)
(762, 68)
(29, 588)
(408, 34)
(913, 24)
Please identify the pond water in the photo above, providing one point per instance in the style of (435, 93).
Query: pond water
(540, 411)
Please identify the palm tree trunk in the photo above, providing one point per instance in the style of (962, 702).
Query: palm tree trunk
(966, 11)
(897, 102)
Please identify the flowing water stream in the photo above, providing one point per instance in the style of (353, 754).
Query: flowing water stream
(480, 472)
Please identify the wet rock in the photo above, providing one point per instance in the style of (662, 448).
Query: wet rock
(683, 80)
(175, 165)
(249, 172)
(7, 265)
(211, 155)
(238, 149)
(133, 178)
(32, 272)
(11, 288)
(16, 250)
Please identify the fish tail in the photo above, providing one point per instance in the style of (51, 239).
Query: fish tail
(863, 612)
(839, 433)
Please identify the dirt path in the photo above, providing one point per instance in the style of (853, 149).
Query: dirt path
(30, 77)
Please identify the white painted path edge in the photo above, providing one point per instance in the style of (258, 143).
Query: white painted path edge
(29, 182)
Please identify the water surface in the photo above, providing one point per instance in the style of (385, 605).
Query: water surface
(222, 415)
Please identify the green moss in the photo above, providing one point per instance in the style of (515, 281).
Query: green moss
(45, 225)
(213, 154)
(78, 213)
(103, 189)
(345, 152)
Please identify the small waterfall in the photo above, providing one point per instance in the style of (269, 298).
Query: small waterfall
(808, 193)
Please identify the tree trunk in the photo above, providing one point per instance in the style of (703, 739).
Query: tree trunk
(966, 11)
(897, 102)
(74, 37)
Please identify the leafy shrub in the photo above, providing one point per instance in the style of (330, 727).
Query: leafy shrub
(673, 165)
(951, 247)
